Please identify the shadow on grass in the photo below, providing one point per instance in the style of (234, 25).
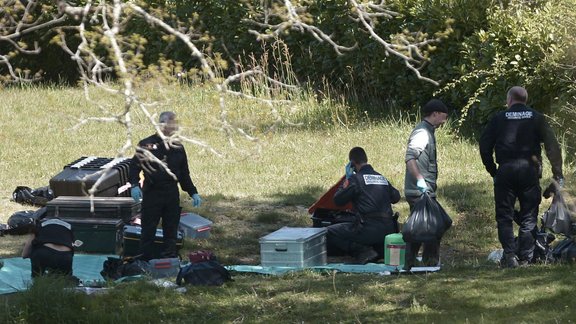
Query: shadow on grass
(473, 233)
(239, 223)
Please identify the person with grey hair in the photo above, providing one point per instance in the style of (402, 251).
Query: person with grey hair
(159, 193)
(515, 136)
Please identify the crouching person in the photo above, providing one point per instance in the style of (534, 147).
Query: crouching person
(371, 195)
(50, 248)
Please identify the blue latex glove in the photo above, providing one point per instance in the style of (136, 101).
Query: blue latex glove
(136, 193)
(422, 186)
(196, 200)
(349, 170)
(561, 183)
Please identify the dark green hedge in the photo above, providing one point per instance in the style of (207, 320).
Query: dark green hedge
(494, 44)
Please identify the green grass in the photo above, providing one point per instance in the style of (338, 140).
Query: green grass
(256, 188)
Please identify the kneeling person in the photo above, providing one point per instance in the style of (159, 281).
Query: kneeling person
(50, 248)
(371, 195)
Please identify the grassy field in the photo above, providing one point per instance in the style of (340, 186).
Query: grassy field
(254, 188)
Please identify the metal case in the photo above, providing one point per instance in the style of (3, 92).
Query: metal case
(294, 247)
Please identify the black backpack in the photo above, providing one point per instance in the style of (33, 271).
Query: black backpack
(206, 273)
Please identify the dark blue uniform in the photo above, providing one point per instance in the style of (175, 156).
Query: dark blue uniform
(515, 136)
(161, 197)
(47, 260)
(371, 195)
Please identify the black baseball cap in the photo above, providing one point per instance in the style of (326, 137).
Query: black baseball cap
(434, 105)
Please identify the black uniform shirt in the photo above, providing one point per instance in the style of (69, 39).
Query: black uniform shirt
(517, 133)
(155, 175)
(369, 191)
(54, 231)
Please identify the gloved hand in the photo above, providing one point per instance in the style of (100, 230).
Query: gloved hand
(136, 193)
(560, 182)
(422, 186)
(196, 200)
(349, 170)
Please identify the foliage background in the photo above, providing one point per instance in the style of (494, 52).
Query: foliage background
(494, 44)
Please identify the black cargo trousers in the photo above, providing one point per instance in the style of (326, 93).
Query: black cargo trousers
(160, 202)
(517, 179)
(353, 238)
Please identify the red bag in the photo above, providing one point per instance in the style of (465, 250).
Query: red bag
(201, 256)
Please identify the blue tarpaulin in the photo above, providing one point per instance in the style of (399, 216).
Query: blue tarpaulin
(15, 274)
(377, 268)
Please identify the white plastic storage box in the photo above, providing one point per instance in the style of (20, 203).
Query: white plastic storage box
(162, 268)
(294, 247)
(195, 226)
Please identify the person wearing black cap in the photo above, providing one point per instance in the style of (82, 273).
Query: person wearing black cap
(515, 136)
(422, 173)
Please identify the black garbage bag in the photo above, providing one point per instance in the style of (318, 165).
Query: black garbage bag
(21, 222)
(427, 222)
(558, 217)
(37, 197)
(565, 251)
(115, 268)
(206, 273)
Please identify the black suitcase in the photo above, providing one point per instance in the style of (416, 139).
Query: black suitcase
(97, 235)
(124, 208)
(79, 176)
(131, 241)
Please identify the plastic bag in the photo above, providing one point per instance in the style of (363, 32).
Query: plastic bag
(116, 268)
(427, 222)
(37, 197)
(565, 251)
(557, 218)
(207, 273)
(21, 222)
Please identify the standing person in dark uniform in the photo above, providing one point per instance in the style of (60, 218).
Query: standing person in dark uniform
(164, 164)
(371, 195)
(50, 248)
(422, 174)
(515, 135)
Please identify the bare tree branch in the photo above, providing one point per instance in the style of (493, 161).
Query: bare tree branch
(366, 13)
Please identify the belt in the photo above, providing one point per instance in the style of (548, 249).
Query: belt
(376, 216)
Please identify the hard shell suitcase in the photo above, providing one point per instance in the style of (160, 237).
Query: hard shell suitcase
(97, 235)
(124, 208)
(131, 241)
(78, 177)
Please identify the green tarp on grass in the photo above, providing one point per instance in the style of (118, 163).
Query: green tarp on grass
(376, 268)
(15, 274)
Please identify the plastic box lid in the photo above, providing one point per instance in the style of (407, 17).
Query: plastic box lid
(194, 220)
(294, 234)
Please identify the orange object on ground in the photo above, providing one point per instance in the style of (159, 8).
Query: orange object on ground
(327, 200)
